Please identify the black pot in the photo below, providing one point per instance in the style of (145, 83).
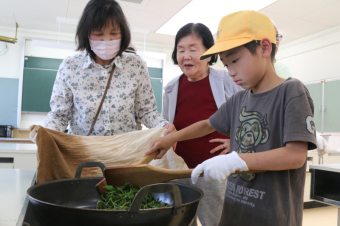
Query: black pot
(73, 202)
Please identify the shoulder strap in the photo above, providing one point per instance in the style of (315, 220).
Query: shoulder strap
(102, 101)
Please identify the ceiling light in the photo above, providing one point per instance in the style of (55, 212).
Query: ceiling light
(10, 40)
(209, 14)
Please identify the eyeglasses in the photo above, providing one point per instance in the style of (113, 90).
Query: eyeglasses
(278, 37)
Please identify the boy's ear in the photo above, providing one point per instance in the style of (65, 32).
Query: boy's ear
(266, 47)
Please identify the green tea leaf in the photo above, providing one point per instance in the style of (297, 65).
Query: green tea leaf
(109, 187)
(120, 198)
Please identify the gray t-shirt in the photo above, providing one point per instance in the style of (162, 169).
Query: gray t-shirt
(258, 123)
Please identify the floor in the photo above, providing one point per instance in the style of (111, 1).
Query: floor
(325, 216)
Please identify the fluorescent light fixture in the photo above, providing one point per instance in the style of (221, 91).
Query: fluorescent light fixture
(10, 40)
(209, 13)
(54, 44)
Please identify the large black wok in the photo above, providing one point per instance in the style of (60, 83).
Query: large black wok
(73, 202)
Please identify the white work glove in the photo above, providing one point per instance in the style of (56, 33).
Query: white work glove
(219, 167)
(322, 145)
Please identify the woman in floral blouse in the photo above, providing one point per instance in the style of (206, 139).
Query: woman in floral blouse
(103, 35)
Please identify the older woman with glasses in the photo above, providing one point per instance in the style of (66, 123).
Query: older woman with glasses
(281, 69)
(194, 96)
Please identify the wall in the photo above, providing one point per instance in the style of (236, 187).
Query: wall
(11, 62)
(313, 58)
(304, 57)
(170, 70)
(37, 51)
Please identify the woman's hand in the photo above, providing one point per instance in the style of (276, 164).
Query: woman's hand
(163, 144)
(225, 146)
(169, 129)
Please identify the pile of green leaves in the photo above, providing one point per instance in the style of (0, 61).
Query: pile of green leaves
(120, 198)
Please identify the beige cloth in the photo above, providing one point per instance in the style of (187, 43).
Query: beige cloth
(59, 154)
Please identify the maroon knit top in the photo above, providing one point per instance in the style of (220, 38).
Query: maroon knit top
(195, 102)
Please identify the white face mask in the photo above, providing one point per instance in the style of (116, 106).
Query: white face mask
(106, 50)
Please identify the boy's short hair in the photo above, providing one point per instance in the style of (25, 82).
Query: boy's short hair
(95, 16)
(240, 28)
(251, 46)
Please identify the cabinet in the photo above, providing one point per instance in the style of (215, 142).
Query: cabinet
(17, 154)
(16, 159)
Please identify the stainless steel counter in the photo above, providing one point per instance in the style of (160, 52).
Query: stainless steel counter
(13, 186)
(327, 167)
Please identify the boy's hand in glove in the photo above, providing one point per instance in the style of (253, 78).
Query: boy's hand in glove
(219, 168)
(322, 145)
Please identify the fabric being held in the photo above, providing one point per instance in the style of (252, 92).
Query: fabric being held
(59, 154)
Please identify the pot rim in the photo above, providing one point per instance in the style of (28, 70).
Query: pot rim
(105, 210)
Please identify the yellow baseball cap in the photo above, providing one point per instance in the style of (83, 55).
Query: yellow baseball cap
(239, 28)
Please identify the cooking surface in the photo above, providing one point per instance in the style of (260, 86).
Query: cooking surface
(13, 186)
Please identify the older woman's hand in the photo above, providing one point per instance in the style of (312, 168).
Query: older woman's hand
(225, 146)
(169, 129)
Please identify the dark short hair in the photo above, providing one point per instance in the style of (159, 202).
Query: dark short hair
(251, 46)
(96, 15)
(202, 32)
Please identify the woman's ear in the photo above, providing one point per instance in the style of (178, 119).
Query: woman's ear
(266, 47)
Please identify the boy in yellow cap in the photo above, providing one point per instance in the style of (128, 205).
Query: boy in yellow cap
(270, 125)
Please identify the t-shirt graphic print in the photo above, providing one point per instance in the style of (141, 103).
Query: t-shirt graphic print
(252, 133)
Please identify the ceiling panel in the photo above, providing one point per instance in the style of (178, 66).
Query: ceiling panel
(283, 24)
(75, 9)
(31, 14)
(297, 8)
(160, 6)
(304, 28)
(123, 4)
(138, 18)
(42, 8)
(295, 18)
(329, 15)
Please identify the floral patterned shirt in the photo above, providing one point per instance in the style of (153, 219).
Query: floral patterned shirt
(80, 85)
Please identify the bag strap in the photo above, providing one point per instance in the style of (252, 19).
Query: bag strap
(102, 101)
